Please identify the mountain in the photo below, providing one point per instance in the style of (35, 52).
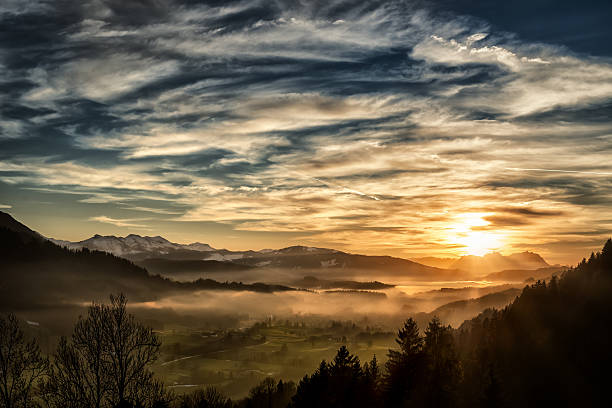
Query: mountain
(330, 260)
(166, 257)
(136, 246)
(522, 275)
(25, 233)
(174, 267)
(455, 313)
(37, 272)
(436, 262)
(489, 263)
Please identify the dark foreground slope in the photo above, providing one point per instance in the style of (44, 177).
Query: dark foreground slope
(551, 346)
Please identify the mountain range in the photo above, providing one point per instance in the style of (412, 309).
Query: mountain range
(161, 256)
(489, 263)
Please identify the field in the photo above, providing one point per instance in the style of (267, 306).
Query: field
(236, 360)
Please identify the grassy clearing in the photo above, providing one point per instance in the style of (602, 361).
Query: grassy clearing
(235, 361)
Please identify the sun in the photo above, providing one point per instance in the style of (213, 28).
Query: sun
(475, 241)
(479, 243)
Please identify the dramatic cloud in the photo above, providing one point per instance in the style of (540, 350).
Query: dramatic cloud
(404, 127)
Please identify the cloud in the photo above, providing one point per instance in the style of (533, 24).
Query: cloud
(117, 222)
(367, 125)
(590, 173)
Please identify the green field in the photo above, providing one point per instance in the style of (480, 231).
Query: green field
(234, 361)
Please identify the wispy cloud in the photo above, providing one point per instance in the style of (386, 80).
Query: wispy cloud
(591, 173)
(118, 222)
(362, 125)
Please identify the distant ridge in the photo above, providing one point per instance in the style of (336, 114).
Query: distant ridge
(489, 263)
(164, 257)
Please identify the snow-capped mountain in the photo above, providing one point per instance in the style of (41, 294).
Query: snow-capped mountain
(135, 245)
(138, 247)
(152, 250)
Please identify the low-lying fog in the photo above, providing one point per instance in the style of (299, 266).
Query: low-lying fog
(290, 276)
(388, 305)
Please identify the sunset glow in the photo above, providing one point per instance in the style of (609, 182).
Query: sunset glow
(298, 204)
(363, 129)
(470, 239)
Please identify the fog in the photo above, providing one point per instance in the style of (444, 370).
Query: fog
(389, 305)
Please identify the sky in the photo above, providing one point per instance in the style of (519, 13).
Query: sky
(406, 128)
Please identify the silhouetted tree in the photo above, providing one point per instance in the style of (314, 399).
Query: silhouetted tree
(341, 383)
(404, 367)
(206, 398)
(21, 366)
(106, 363)
(443, 368)
(270, 394)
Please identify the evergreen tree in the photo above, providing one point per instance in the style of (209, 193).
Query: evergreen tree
(404, 366)
(443, 370)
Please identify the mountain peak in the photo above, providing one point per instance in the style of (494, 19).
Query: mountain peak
(495, 262)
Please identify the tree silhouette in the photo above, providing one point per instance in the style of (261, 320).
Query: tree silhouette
(206, 398)
(404, 366)
(341, 383)
(269, 394)
(106, 363)
(443, 365)
(21, 366)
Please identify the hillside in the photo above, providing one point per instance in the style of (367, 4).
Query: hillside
(25, 233)
(36, 272)
(550, 347)
(455, 313)
(171, 267)
(522, 275)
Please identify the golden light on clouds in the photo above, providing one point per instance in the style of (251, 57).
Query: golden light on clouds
(395, 132)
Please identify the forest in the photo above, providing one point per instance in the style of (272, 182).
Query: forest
(549, 346)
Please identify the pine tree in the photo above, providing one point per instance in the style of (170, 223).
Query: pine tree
(403, 366)
(443, 366)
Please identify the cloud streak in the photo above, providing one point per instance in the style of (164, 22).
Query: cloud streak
(367, 126)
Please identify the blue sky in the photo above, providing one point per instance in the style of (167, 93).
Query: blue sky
(400, 127)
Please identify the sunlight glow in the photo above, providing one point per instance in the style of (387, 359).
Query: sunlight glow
(474, 241)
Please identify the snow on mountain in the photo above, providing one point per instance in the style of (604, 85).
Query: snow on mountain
(297, 250)
(198, 246)
(133, 244)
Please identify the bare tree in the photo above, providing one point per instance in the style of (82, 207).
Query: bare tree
(21, 365)
(131, 348)
(78, 376)
(107, 363)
